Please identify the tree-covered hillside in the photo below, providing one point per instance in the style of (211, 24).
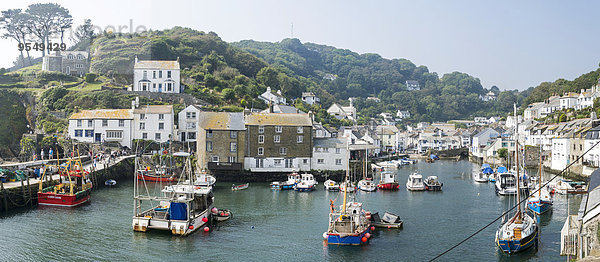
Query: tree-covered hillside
(338, 74)
(560, 86)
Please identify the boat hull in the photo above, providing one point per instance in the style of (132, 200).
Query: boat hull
(389, 186)
(539, 207)
(305, 189)
(515, 246)
(282, 187)
(350, 240)
(52, 199)
(155, 178)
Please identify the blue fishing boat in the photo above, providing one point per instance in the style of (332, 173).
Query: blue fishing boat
(293, 179)
(540, 202)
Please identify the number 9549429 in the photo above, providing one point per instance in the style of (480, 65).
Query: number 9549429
(42, 46)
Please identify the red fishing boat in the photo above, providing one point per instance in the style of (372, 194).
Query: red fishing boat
(388, 181)
(156, 175)
(73, 190)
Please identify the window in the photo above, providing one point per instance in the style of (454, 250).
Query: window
(161, 126)
(80, 57)
(169, 86)
(215, 159)
(154, 86)
(114, 134)
(261, 129)
(305, 161)
(161, 116)
(104, 122)
(157, 136)
(209, 134)
(89, 133)
(159, 74)
(261, 151)
(277, 162)
(276, 138)
(320, 161)
(300, 139)
(209, 146)
(154, 74)
(300, 130)
(190, 115)
(168, 74)
(338, 162)
(338, 150)
(78, 123)
(278, 129)
(159, 87)
(233, 147)
(144, 135)
(283, 151)
(233, 134)
(121, 123)
(142, 116)
(70, 56)
(260, 162)
(142, 126)
(145, 74)
(190, 125)
(78, 133)
(232, 159)
(261, 139)
(191, 135)
(90, 123)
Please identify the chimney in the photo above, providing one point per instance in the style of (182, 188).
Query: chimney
(279, 92)
(132, 104)
(177, 59)
(136, 59)
(137, 101)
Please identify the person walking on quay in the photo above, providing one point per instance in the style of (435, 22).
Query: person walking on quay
(50, 152)
(42, 154)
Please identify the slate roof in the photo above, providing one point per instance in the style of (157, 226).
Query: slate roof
(104, 114)
(157, 64)
(221, 121)
(278, 119)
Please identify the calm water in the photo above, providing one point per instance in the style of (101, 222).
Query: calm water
(274, 225)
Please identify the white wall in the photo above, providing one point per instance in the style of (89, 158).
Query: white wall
(153, 85)
(270, 166)
(152, 127)
(97, 128)
(329, 157)
(188, 125)
(560, 153)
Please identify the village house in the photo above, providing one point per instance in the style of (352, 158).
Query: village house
(73, 63)
(402, 114)
(278, 142)
(481, 140)
(156, 76)
(342, 112)
(320, 131)
(187, 123)
(330, 154)
(282, 109)
(389, 137)
(310, 98)
(550, 105)
(272, 98)
(490, 96)
(568, 100)
(586, 97)
(412, 85)
(221, 141)
(102, 125)
(532, 111)
(154, 122)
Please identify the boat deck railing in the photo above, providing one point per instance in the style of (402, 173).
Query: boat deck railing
(569, 236)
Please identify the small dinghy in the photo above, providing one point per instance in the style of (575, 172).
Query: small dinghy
(388, 220)
(239, 187)
(222, 215)
(110, 182)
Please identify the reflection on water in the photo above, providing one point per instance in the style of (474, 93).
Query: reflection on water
(286, 225)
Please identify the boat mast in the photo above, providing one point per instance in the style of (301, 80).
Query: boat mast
(347, 175)
(365, 165)
(540, 177)
(517, 163)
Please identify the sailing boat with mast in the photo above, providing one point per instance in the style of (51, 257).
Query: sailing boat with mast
(542, 201)
(348, 225)
(366, 184)
(519, 232)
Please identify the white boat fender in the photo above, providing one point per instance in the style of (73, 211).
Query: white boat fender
(324, 235)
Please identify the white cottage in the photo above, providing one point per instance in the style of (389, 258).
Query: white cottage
(102, 125)
(153, 122)
(156, 76)
(187, 122)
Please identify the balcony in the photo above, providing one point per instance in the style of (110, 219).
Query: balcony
(224, 166)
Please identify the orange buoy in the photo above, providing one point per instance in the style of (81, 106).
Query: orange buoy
(389, 227)
(191, 227)
(204, 219)
(364, 239)
(206, 229)
(372, 228)
(368, 235)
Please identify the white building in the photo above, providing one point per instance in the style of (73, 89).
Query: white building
(412, 85)
(272, 98)
(532, 111)
(153, 122)
(187, 123)
(481, 140)
(342, 112)
(569, 100)
(156, 76)
(560, 153)
(330, 154)
(511, 121)
(102, 125)
(403, 114)
(592, 137)
(310, 98)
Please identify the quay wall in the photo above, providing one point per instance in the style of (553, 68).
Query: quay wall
(25, 196)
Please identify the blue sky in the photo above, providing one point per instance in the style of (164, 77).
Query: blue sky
(511, 44)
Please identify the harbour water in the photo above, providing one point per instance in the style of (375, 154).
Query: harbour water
(284, 225)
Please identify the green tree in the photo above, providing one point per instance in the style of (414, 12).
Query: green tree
(503, 153)
(27, 146)
(562, 118)
(228, 94)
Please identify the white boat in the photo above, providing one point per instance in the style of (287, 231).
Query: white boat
(307, 183)
(367, 185)
(293, 178)
(388, 181)
(480, 177)
(415, 182)
(331, 185)
(235, 187)
(432, 183)
(389, 164)
(181, 208)
(506, 184)
(351, 187)
(204, 179)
